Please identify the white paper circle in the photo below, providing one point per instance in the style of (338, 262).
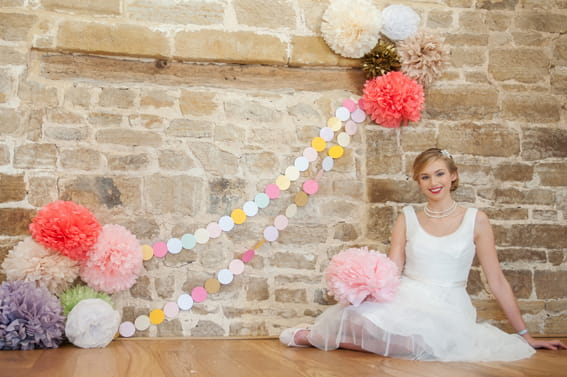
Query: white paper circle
(201, 235)
(310, 154)
(174, 245)
(343, 139)
(188, 240)
(271, 233)
(351, 127)
(127, 329)
(185, 301)
(280, 222)
(342, 113)
(326, 133)
(236, 266)
(171, 310)
(292, 173)
(291, 211)
(226, 223)
(328, 163)
(358, 115)
(301, 163)
(214, 230)
(250, 208)
(225, 276)
(142, 323)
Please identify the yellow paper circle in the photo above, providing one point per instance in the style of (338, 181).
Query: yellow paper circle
(147, 252)
(238, 216)
(283, 182)
(318, 143)
(334, 123)
(336, 151)
(157, 316)
(301, 199)
(212, 286)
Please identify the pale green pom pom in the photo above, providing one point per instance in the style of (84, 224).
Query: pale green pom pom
(74, 295)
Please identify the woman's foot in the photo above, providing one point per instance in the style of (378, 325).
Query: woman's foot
(296, 336)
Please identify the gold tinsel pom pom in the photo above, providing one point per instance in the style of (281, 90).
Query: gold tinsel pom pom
(382, 59)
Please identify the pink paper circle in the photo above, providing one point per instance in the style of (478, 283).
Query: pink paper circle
(358, 116)
(350, 127)
(171, 310)
(310, 187)
(248, 255)
(280, 222)
(160, 249)
(127, 329)
(236, 266)
(349, 104)
(214, 230)
(271, 233)
(272, 190)
(199, 294)
(310, 154)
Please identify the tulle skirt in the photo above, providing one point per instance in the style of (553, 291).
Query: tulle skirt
(424, 322)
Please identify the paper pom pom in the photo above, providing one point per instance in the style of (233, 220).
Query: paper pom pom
(92, 324)
(399, 22)
(382, 59)
(29, 261)
(423, 57)
(73, 296)
(66, 227)
(392, 99)
(114, 262)
(355, 275)
(351, 27)
(30, 317)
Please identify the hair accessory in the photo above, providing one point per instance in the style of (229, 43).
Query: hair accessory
(446, 153)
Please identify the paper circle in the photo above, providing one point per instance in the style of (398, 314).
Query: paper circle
(319, 144)
(226, 223)
(142, 323)
(160, 249)
(328, 163)
(212, 286)
(310, 187)
(126, 329)
(202, 236)
(292, 173)
(301, 163)
(238, 216)
(342, 113)
(301, 199)
(248, 255)
(157, 316)
(262, 200)
(271, 233)
(171, 310)
(334, 123)
(280, 222)
(310, 154)
(199, 294)
(214, 230)
(236, 266)
(343, 139)
(336, 151)
(188, 241)
(283, 182)
(147, 252)
(291, 211)
(174, 245)
(185, 302)
(326, 133)
(351, 127)
(358, 116)
(225, 276)
(250, 208)
(272, 190)
(349, 104)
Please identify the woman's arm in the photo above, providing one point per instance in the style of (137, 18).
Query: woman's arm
(397, 251)
(486, 253)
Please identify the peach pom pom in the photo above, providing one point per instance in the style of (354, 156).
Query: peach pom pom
(114, 262)
(355, 275)
(67, 227)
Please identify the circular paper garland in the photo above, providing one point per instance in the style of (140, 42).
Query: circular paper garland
(185, 302)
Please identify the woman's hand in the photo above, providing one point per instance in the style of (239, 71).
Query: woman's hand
(552, 344)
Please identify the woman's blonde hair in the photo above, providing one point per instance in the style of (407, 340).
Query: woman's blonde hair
(430, 155)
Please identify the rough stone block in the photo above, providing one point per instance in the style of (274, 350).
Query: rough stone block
(531, 235)
(386, 190)
(501, 213)
(518, 172)
(179, 194)
(177, 12)
(37, 95)
(560, 50)
(312, 13)
(383, 154)
(12, 55)
(468, 57)
(485, 140)
(9, 122)
(105, 120)
(475, 103)
(527, 65)
(545, 21)
(141, 289)
(4, 155)
(157, 99)
(552, 174)
(15, 27)
(128, 137)
(197, 103)
(516, 196)
(497, 4)
(272, 15)
(12, 188)
(470, 40)
(174, 160)
(438, 19)
(520, 281)
(65, 133)
(81, 159)
(257, 289)
(380, 222)
(122, 98)
(521, 254)
(295, 261)
(551, 284)
(308, 50)
(297, 296)
(42, 190)
(559, 81)
(473, 21)
(205, 328)
(534, 108)
(15, 221)
(540, 143)
(556, 324)
(499, 21)
(94, 7)
(92, 191)
(190, 128)
(34, 156)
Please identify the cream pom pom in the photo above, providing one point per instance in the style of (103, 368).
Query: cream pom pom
(399, 22)
(351, 28)
(92, 323)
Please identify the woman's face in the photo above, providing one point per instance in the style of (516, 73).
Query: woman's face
(435, 180)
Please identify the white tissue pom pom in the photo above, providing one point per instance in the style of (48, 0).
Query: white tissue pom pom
(399, 22)
(92, 323)
(351, 28)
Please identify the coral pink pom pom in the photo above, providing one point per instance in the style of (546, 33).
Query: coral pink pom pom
(66, 227)
(392, 99)
(355, 275)
(114, 262)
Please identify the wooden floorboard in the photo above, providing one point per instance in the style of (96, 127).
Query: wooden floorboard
(259, 357)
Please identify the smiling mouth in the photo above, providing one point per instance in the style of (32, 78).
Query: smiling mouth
(436, 190)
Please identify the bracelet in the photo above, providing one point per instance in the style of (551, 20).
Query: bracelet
(522, 332)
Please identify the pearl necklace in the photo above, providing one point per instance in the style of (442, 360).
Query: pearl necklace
(440, 214)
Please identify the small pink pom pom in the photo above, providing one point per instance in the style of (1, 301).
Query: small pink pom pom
(355, 275)
(114, 262)
(67, 227)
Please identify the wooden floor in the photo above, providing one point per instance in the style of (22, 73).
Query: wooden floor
(261, 357)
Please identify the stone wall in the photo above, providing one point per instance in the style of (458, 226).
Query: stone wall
(164, 115)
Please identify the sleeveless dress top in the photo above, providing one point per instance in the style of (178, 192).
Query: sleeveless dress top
(432, 317)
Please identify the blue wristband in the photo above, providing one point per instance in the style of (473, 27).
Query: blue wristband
(523, 332)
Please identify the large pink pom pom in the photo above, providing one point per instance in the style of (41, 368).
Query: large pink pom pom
(66, 227)
(114, 262)
(392, 99)
(356, 275)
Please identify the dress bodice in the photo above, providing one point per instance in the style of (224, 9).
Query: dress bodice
(444, 261)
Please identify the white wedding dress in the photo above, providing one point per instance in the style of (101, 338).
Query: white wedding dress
(432, 317)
